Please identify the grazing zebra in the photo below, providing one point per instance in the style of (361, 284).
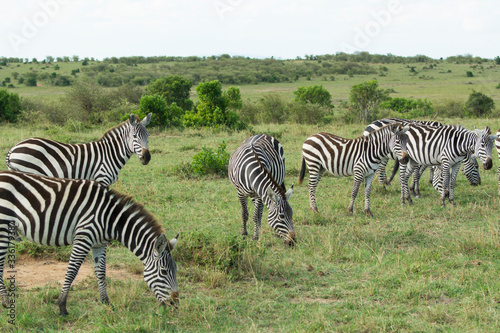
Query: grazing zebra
(100, 160)
(85, 213)
(447, 146)
(360, 157)
(257, 170)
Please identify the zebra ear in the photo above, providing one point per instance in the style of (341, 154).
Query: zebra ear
(288, 193)
(160, 245)
(493, 137)
(272, 195)
(173, 242)
(146, 120)
(132, 119)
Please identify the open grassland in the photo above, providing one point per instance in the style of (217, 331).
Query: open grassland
(435, 80)
(410, 268)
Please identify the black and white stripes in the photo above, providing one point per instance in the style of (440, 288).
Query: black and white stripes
(257, 170)
(52, 211)
(100, 160)
(358, 157)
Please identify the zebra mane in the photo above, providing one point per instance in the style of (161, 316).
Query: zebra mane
(281, 190)
(112, 129)
(148, 219)
(367, 137)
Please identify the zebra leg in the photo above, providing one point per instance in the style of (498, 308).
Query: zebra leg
(431, 174)
(368, 188)
(358, 178)
(99, 256)
(445, 174)
(81, 247)
(453, 181)
(314, 178)
(244, 213)
(498, 175)
(416, 180)
(404, 173)
(257, 217)
(4, 246)
(382, 177)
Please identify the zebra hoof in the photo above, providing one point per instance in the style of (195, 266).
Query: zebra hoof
(368, 213)
(418, 196)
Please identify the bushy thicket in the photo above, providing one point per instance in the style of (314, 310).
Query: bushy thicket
(409, 107)
(10, 106)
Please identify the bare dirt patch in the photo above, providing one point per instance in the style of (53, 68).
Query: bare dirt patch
(31, 273)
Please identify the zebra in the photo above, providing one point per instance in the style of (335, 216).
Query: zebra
(87, 214)
(100, 160)
(470, 166)
(447, 146)
(360, 157)
(257, 170)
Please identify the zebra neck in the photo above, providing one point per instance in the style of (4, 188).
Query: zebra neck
(116, 139)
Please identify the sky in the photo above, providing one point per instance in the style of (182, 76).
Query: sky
(251, 28)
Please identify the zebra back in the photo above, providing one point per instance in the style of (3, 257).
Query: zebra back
(57, 212)
(100, 160)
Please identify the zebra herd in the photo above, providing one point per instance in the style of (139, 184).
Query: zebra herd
(58, 194)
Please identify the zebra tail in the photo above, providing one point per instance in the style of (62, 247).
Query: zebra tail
(394, 170)
(302, 171)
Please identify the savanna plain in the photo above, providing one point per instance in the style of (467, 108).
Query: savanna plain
(410, 268)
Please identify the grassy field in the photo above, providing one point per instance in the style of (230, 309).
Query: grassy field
(418, 268)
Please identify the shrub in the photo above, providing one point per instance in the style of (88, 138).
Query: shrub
(273, 108)
(174, 88)
(478, 105)
(450, 108)
(409, 107)
(307, 113)
(315, 94)
(209, 162)
(10, 106)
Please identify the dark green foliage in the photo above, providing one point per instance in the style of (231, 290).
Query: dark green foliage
(469, 74)
(478, 105)
(30, 81)
(409, 107)
(365, 99)
(163, 114)
(315, 94)
(273, 108)
(174, 88)
(214, 107)
(307, 113)
(10, 106)
(209, 162)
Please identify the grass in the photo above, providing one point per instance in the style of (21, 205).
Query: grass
(410, 268)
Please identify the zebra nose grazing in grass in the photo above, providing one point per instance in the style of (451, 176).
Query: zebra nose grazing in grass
(146, 157)
(488, 164)
(257, 170)
(88, 215)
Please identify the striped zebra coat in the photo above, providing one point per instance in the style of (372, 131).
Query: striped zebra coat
(447, 146)
(257, 170)
(359, 157)
(88, 215)
(100, 160)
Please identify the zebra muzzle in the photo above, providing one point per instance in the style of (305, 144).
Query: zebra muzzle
(404, 158)
(146, 157)
(290, 239)
(488, 165)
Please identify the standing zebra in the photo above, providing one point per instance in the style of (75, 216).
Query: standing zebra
(447, 146)
(257, 170)
(100, 160)
(360, 157)
(470, 166)
(85, 213)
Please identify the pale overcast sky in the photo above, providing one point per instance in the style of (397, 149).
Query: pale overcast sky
(283, 29)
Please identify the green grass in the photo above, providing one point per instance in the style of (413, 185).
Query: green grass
(410, 268)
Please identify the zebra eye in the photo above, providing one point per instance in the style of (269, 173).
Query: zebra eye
(163, 271)
(282, 216)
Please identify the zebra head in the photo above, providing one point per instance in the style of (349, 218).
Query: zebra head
(280, 215)
(160, 271)
(138, 138)
(397, 143)
(483, 146)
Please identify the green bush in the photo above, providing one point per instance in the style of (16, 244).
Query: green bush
(10, 106)
(478, 105)
(273, 109)
(409, 107)
(209, 162)
(315, 94)
(307, 113)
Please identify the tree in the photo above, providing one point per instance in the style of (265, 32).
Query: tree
(478, 105)
(174, 88)
(214, 109)
(315, 94)
(163, 114)
(365, 98)
(10, 106)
